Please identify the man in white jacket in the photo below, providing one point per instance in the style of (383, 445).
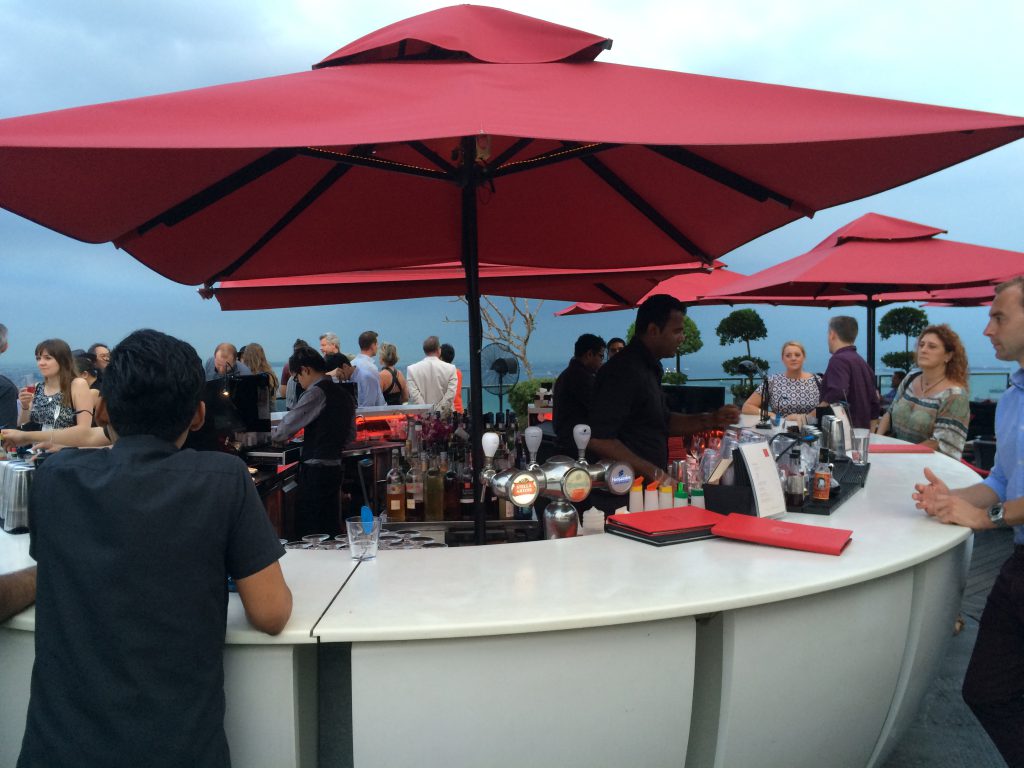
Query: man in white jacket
(432, 381)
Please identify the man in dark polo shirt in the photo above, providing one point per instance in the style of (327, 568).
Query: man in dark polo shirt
(574, 388)
(630, 420)
(847, 377)
(134, 547)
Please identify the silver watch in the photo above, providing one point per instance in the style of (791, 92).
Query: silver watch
(995, 515)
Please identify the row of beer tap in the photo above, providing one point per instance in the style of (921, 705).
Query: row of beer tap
(563, 480)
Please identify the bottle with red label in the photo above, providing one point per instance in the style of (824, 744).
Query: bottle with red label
(821, 484)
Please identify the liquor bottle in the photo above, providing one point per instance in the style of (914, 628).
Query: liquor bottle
(468, 496)
(414, 492)
(793, 478)
(395, 503)
(822, 484)
(452, 488)
(433, 493)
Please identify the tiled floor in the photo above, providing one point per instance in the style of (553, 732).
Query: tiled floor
(945, 734)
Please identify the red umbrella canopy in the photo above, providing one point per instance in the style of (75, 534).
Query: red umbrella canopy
(688, 288)
(625, 285)
(360, 164)
(880, 258)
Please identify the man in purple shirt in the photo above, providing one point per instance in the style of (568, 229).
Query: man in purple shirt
(848, 378)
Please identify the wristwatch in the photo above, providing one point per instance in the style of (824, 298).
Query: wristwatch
(995, 515)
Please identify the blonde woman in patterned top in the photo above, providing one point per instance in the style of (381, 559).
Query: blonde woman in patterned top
(931, 406)
(793, 394)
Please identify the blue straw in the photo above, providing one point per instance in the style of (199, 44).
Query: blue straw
(367, 519)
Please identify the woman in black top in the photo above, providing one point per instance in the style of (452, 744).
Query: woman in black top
(392, 382)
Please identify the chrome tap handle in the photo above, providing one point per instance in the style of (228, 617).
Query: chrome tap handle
(533, 437)
(489, 441)
(581, 435)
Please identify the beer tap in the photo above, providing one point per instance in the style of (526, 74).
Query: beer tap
(519, 486)
(616, 477)
(564, 480)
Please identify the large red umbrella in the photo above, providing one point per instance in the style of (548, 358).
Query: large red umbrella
(875, 260)
(688, 288)
(459, 132)
(626, 286)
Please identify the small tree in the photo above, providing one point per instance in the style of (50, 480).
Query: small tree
(907, 322)
(742, 325)
(691, 344)
(510, 324)
(898, 361)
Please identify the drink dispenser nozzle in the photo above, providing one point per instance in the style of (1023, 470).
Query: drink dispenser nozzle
(581, 435)
(533, 437)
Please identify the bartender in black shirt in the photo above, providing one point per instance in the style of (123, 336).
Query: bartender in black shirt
(630, 420)
(573, 389)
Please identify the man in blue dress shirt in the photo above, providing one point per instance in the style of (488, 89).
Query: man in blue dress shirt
(994, 684)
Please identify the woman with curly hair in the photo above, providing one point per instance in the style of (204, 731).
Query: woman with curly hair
(931, 405)
(256, 359)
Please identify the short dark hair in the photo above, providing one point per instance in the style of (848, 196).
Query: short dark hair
(93, 347)
(614, 339)
(844, 327)
(588, 342)
(306, 357)
(447, 353)
(367, 339)
(153, 385)
(85, 362)
(1013, 281)
(299, 343)
(656, 311)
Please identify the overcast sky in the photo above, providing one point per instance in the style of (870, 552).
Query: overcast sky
(59, 54)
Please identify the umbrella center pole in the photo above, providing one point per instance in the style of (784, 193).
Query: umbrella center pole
(471, 179)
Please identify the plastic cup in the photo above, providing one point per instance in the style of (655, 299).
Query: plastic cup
(363, 541)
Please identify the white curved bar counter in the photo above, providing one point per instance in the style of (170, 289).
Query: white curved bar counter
(594, 651)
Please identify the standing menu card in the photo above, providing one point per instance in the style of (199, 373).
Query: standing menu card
(764, 479)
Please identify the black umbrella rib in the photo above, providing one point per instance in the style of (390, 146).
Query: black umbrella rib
(433, 157)
(318, 189)
(568, 152)
(616, 297)
(511, 152)
(730, 179)
(371, 161)
(219, 190)
(652, 214)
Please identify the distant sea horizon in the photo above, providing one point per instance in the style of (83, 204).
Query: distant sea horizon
(986, 382)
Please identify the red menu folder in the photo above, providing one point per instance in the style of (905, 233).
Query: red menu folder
(665, 526)
(778, 533)
(671, 520)
(899, 448)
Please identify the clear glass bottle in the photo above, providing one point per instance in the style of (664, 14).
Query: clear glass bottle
(395, 501)
(414, 492)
